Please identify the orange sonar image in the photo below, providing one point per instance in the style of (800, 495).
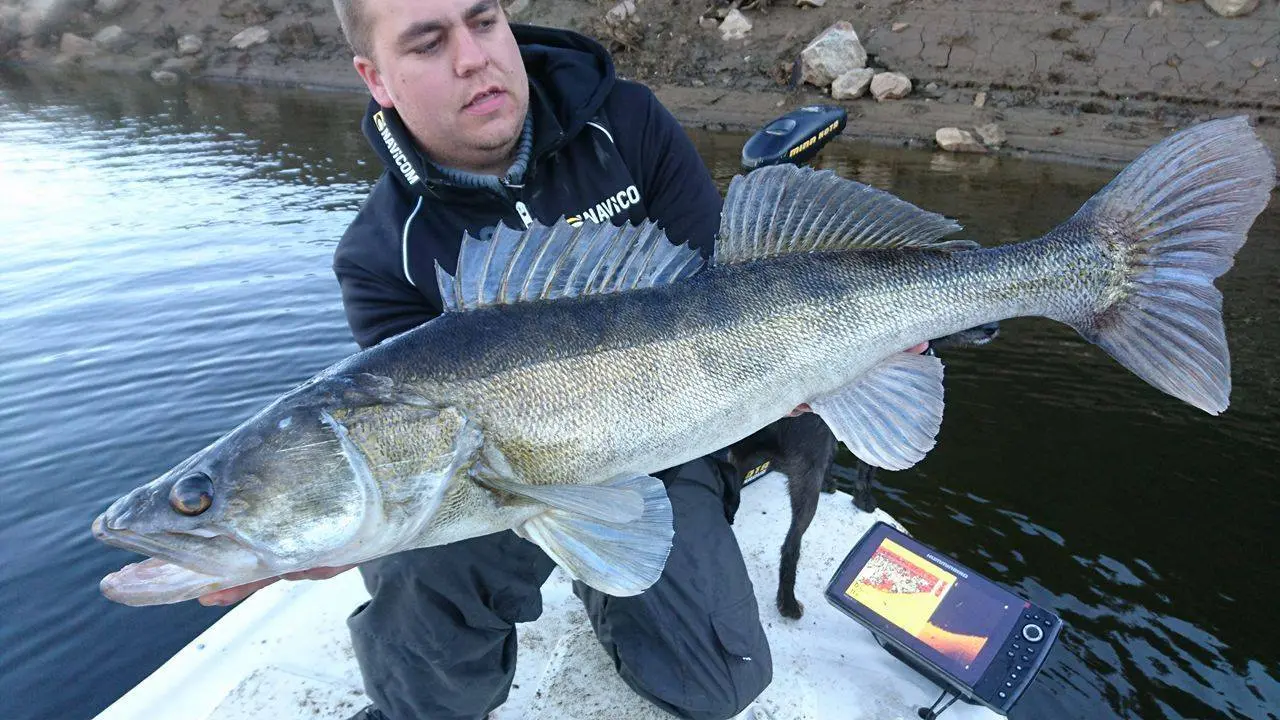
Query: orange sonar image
(906, 590)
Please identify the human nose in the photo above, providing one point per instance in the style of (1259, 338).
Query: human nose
(469, 55)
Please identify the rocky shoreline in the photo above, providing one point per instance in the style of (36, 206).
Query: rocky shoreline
(1086, 80)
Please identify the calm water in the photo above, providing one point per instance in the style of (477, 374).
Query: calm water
(164, 272)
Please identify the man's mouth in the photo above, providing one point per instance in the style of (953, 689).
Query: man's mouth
(485, 101)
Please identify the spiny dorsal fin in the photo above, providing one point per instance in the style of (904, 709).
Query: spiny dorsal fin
(785, 209)
(544, 263)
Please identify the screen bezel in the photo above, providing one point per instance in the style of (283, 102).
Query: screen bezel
(858, 558)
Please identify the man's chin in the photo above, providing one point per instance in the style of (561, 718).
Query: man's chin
(500, 142)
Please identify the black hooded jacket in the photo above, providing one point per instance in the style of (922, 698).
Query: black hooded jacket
(604, 149)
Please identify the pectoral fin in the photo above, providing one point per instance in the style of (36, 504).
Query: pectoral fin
(890, 416)
(618, 558)
(596, 502)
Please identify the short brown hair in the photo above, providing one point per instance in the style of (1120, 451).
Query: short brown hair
(355, 26)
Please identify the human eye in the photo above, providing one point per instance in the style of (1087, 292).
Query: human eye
(426, 48)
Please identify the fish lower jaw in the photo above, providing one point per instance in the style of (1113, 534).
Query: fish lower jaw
(157, 582)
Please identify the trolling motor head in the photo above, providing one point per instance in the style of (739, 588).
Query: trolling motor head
(795, 137)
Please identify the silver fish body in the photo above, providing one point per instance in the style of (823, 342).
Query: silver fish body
(629, 384)
(573, 364)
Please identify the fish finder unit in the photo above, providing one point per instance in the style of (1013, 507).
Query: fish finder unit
(972, 637)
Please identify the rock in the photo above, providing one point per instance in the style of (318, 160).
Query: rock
(708, 22)
(900, 26)
(10, 18)
(249, 37)
(1232, 8)
(1258, 62)
(1155, 9)
(74, 47)
(980, 100)
(890, 86)
(1213, 44)
(810, 3)
(735, 26)
(249, 12)
(190, 45)
(44, 16)
(179, 65)
(834, 52)
(620, 12)
(852, 85)
(107, 8)
(30, 23)
(164, 77)
(516, 7)
(299, 37)
(932, 87)
(957, 140)
(991, 134)
(111, 38)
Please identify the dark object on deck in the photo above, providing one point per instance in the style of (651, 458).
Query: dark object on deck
(802, 448)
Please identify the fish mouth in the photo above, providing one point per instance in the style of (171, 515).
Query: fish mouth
(198, 553)
(180, 566)
(157, 582)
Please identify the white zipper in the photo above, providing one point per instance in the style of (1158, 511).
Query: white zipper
(525, 217)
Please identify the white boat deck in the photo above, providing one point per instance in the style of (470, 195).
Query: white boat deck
(285, 653)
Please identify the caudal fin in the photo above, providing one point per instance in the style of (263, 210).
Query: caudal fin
(1174, 220)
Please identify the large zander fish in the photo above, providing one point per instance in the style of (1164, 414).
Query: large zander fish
(573, 362)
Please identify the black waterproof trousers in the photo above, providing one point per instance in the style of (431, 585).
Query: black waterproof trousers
(438, 638)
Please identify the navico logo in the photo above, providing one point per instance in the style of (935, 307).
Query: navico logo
(809, 143)
(604, 210)
(402, 162)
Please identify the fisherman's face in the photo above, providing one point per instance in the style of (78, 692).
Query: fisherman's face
(452, 70)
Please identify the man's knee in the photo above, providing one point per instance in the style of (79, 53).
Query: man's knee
(437, 637)
(704, 675)
(710, 688)
(692, 643)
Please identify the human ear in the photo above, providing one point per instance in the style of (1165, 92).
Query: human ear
(373, 80)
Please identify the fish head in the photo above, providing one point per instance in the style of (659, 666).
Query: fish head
(338, 471)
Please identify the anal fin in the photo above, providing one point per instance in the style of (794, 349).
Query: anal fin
(890, 415)
(616, 558)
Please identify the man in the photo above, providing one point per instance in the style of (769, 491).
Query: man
(479, 123)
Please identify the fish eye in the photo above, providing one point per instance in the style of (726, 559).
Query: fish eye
(192, 494)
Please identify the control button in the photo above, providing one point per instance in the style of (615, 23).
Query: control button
(1019, 667)
(1010, 653)
(1026, 658)
(1014, 676)
(1032, 633)
(1047, 622)
(1016, 646)
(1002, 694)
(1008, 684)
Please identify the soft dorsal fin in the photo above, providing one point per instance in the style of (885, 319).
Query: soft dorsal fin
(785, 209)
(561, 260)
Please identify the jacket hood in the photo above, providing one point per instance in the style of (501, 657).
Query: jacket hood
(570, 75)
